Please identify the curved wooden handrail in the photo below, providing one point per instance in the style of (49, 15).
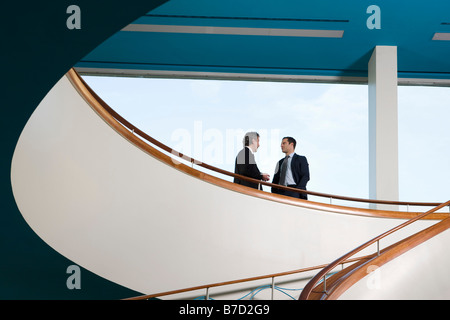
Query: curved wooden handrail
(152, 140)
(339, 282)
(346, 278)
(309, 288)
(225, 283)
(126, 129)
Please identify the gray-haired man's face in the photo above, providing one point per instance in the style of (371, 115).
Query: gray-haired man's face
(255, 144)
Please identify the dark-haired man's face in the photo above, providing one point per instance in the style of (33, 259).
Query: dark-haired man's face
(287, 147)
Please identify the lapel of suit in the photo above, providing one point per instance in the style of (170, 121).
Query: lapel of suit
(294, 166)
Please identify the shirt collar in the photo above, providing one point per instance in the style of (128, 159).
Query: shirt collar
(291, 155)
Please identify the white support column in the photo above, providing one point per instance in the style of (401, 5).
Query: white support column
(383, 124)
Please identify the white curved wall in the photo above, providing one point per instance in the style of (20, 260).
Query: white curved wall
(117, 211)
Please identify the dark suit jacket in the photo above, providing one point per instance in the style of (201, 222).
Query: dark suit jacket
(245, 165)
(300, 172)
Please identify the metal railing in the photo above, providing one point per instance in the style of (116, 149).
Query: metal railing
(322, 274)
(272, 286)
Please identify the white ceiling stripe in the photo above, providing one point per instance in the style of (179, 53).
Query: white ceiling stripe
(235, 31)
(441, 36)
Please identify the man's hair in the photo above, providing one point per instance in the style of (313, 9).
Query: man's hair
(249, 137)
(291, 140)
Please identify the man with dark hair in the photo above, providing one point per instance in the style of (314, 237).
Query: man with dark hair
(291, 171)
(245, 162)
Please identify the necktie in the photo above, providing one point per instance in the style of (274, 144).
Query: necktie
(283, 171)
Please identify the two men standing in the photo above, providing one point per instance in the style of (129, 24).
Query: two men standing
(291, 171)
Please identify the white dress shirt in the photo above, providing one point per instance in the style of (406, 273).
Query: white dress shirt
(289, 176)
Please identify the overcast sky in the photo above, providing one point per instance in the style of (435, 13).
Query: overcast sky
(206, 119)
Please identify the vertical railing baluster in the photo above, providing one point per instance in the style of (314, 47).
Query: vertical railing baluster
(273, 286)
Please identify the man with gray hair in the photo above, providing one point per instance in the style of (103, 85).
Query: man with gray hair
(245, 163)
